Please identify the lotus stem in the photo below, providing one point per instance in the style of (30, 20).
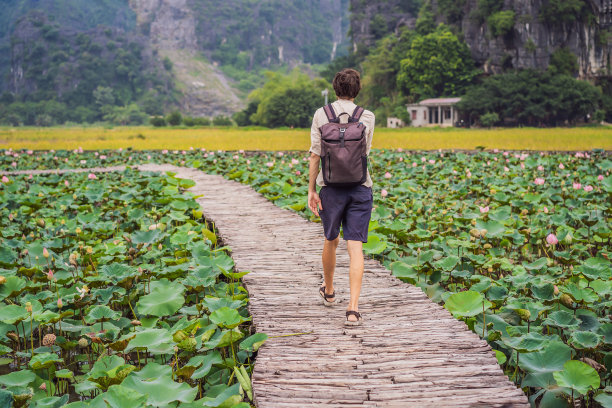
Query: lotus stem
(31, 335)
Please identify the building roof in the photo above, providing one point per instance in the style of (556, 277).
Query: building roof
(439, 101)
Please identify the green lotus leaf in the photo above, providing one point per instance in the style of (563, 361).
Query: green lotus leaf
(544, 291)
(494, 229)
(118, 396)
(213, 357)
(213, 303)
(561, 318)
(447, 264)
(64, 373)
(580, 294)
(605, 330)
(154, 340)
(13, 286)
(578, 376)
(252, 343)
(404, 271)
(7, 256)
(585, 340)
(165, 299)
(44, 360)
(466, 304)
(501, 357)
(222, 396)
(50, 402)
(224, 338)
(528, 342)
(159, 386)
(375, 245)
(223, 262)
(100, 312)
(6, 398)
(104, 366)
(145, 237)
(117, 272)
(202, 276)
(497, 293)
(547, 360)
(605, 399)
(227, 317)
(17, 378)
(12, 314)
(536, 265)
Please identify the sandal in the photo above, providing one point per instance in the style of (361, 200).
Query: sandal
(325, 296)
(356, 314)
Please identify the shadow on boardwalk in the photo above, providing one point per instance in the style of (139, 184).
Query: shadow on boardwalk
(409, 352)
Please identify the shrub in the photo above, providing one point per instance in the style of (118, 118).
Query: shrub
(174, 118)
(201, 121)
(501, 23)
(489, 119)
(222, 121)
(158, 121)
(188, 121)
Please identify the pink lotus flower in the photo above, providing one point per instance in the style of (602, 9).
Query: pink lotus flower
(29, 152)
(190, 147)
(165, 151)
(214, 161)
(183, 152)
(45, 253)
(202, 149)
(269, 164)
(401, 159)
(241, 151)
(148, 157)
(248, 162)
(588, 188)
(399, 149)
(577, 186)
(468, 174)
(295, 161)
(505, 154)
(120, 149)
(205, 155)
(83, 161)
(5, 179)
(454, 171)
(522, 165)
(297, 172)
(387, 175)
(43, 386)
(423, 159)
(552, 239)
(495, 158)
(484, 209)
(506, 168)
(102, 157)
(432, 161)
(496, 150)
(384, 193)
(30, 177)
(600, 177)
(50, 275)
(545, 210)
(14, 164)
(414, 164)
(540, 168)
(236, 157)
(539, 181)
(92, 176)
(561, 166)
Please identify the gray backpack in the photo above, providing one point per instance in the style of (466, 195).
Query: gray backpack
(344, 161)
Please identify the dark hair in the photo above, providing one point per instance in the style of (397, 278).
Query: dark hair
(347, 83)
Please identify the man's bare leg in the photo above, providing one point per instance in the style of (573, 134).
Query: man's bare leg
(329, 264)
(355, 250)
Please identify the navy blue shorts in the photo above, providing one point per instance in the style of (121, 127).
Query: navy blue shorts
(350, 207)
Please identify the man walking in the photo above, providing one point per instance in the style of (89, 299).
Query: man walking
(346, 206)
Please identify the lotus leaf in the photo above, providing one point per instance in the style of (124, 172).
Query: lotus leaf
(447, 264)
(544, 291)
(547, 360)
(224, 338)
(44, 360)
(118, 396)
(562, 319)
(155, 382)
(12, 314)
(7, 256)
(213, 303)
(375, 245)
(466, 304)
(98, 313)
(580, 294)
(165, 299)
(536, 265)
(227, 317)
(528, 342)
(50, 402)
(154, 340)
(585, 340)
(222, 396)
(12, 287)
(252, 343)
(605, 398)
(578, 376)
(145, 237)
(212, 357)
(17, 378)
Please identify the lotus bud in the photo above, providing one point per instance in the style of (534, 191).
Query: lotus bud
(490, 269)
(59, 303)
(568, 238)
(45, 253)
(2, 280)
(83, 342)
(524, 314)
(444, 212)
(49, 340)
(566, 300)
(40, 222)
(50, 275)
(556, 290)
(159, 247)
(43, 386)
(483, 232)
(74, 196)
(487, 246)
(136, 322)
(89, 250)
(63, 222)
(77, 230)
(28, 307)
(175, 349)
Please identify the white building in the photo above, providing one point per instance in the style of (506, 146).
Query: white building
(434, 112)
(395, 122)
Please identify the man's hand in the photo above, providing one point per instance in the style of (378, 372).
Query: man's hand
(314, 202)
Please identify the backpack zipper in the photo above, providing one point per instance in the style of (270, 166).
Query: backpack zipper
(328, 166)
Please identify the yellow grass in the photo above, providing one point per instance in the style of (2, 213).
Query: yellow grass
(145, 137)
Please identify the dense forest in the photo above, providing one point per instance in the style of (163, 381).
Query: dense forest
(513, 63)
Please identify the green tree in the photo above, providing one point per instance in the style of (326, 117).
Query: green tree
(501, 22)
(174, 118)
(437, 64)
(563, 61)
(557, 12)
(294, 107)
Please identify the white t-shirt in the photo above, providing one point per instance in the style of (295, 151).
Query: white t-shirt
(319, 119)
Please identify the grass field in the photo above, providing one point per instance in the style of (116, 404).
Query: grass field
(145, 137)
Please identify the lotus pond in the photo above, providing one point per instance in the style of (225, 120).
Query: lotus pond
(516, 244)
(116, 293)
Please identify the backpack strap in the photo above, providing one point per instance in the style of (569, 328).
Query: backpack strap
(329, 112)
(356, 114)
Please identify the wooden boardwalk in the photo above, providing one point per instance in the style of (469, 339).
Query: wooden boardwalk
(409, 352)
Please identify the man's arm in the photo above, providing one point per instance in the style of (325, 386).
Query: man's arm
(314, 202)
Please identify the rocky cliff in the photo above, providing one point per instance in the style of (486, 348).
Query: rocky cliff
(510, 34)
